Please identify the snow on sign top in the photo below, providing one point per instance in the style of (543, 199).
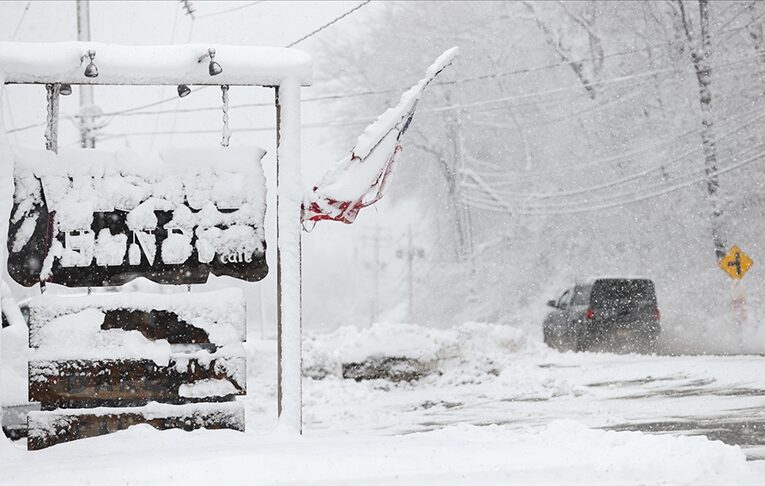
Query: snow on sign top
(60, 62)
(92, 218)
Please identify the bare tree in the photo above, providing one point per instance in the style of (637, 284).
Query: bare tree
(701, 54)
(565, 52)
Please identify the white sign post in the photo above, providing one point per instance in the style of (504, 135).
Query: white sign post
(6, 178)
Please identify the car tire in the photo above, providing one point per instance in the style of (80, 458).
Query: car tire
(650, 345)
(581, 340)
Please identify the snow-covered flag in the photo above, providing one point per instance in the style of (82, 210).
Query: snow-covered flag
(359, 179)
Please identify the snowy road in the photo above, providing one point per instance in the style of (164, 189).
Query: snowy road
(722, 397)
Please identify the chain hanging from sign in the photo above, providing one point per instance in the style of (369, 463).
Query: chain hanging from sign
(226, 137)
(51, 125)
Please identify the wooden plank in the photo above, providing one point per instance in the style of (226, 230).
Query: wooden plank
(47, 428)
(154, 325)
(94, 383)
(217, 317)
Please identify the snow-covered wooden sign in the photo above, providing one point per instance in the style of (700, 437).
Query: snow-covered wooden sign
(169, 360)
(95, 218)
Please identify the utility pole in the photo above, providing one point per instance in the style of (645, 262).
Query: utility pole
(410, 252)
(87, 101)
(376, 240)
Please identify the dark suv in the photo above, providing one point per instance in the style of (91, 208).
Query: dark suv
(614, 313)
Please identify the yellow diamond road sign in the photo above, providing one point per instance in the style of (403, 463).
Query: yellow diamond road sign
(735, 263)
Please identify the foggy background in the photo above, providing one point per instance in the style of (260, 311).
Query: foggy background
(564, 142)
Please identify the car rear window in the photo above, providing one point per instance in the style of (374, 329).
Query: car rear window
(605, 291)
(582, 295)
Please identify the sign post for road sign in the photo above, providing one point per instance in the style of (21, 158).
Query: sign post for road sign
(736, 263)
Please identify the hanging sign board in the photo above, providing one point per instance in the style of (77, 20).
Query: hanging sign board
(95, 218)
(169, 360)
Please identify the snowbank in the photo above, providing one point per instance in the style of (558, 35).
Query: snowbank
(472, 347)
(565, 452)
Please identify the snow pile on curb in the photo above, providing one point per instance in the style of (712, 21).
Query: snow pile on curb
(480, 347)
(565, 452)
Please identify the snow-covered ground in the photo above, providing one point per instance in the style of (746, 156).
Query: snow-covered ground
(564, 452)
(497, 407)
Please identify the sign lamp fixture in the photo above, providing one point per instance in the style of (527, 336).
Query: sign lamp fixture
(214, 68)
(91, 70)
(183, 90)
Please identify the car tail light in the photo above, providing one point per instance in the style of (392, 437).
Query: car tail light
(590, 314)
(658, 314)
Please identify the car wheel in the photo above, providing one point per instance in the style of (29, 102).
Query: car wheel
(649, 345)
(581, 340)
(568, 339)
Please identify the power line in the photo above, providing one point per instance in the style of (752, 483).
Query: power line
(737, 15)
(21, 20)
(311, 34)
(190, 12)
(393, 90)
(482, 203)
(327, 123)
(735, 30)
(248, 129)
(596, 188)
(497, 176)
(136, 110)
(571, 87)
(614, 80)
(234, 9)
(178, 100)
(437, 83)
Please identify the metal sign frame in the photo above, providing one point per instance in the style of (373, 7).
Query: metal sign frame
(285, 70)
